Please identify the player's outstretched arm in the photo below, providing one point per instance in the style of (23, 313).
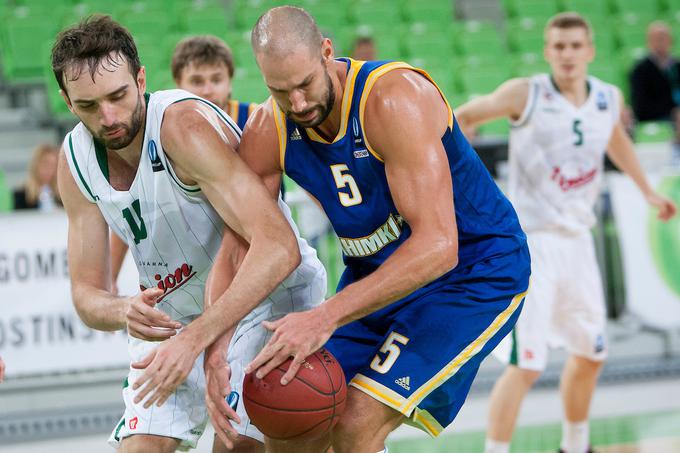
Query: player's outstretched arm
(90, 272)
(507, 101)
(405, 119)
(217, 370)
(229, 257)
(259, 149)
(622, 152)
(202, 149)
(88, 257)
(203, 152)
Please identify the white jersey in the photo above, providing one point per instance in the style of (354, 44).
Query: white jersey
(171, 229)
(556, 156)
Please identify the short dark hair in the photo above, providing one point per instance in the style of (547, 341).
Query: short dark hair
(364, 39)
(200, 50)
(569, 19)
(90, 42)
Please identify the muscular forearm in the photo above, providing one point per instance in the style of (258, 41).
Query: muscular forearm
(118, 251)
(98, 309)
(216, 353)
(262, 270)
(413, 265)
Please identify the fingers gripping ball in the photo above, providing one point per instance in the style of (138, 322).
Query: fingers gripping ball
(306, 408)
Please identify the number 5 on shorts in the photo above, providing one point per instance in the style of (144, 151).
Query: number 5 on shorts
(392, 350)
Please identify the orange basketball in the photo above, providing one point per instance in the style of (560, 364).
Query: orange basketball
(306, 408)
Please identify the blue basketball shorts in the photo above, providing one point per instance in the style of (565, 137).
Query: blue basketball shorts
(419, 355)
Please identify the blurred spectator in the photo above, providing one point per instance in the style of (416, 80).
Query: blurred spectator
(40, 190)
(655, 80)
(676, 138)
(2, 370)
(364, 49)
(204, 66)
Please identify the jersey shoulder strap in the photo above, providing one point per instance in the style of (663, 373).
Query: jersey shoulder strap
(79, 150)
(606, 97)
(368, 75)
(537, 84)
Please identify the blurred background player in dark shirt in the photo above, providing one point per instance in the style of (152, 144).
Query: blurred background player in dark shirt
(655, 79)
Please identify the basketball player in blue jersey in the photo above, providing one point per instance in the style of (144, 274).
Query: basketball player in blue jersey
(204, 66)
(437, 264)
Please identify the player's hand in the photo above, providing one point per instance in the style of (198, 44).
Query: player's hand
(296, 335)
(217, 375)
(665, 206)
(2, 370)
(144, 321)
(166, 367)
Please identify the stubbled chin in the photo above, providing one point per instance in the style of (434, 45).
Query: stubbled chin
(116, 144)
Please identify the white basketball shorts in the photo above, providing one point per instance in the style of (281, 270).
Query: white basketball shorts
(184, 415)
(564, 306)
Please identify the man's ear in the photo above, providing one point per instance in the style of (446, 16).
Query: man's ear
(141, 79)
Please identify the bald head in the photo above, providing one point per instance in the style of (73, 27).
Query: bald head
(284, 30)
(659, 39)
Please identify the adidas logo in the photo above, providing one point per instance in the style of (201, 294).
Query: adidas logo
(404, 382)
(295, 135)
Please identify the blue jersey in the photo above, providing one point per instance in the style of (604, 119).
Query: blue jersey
(240, 111)
(348, 178)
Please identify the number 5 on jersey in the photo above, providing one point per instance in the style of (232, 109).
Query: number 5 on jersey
(344, 179)
(576, 127)
(392, 349)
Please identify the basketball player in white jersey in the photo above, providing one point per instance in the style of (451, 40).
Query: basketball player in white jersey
(562, 123)
(162, 172)
(204, 66)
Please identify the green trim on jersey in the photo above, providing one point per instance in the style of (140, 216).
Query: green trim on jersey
(100, 150)
(181, 185)
(102, 158)
(554, 84)
(513, 352)
(116, 434)
(217, 110)
(219, 113)
(80, 175)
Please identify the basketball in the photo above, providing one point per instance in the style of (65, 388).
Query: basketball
(308, 407)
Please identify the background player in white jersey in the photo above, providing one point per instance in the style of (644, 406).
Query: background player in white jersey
(562, 125)
(162, 172)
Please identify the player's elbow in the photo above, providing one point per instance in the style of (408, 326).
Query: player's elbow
(288, 253)
(294, 258)
(84, 311)
(443, 255)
